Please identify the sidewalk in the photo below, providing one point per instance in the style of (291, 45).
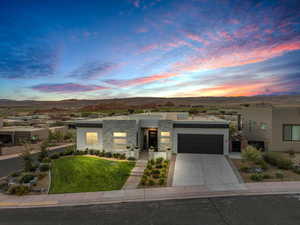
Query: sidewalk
(4, 157)
(131, 195)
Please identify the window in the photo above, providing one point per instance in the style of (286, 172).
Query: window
(165, 140)
(165, 134)
(291, 132)
(122, 141)
(120, 134)
(263, 126)
(91, 138)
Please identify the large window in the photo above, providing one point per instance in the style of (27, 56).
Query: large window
(91, 138)
(120, 134)
(165, 134)
(291, 132)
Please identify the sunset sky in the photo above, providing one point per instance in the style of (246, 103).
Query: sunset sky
(93, 49)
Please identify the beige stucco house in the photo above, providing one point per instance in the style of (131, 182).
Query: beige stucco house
(278, 127)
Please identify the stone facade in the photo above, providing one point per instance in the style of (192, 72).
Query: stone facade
(165, 126)
(111, 126)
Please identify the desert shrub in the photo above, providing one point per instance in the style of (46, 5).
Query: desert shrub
(251, 154)
(155, 171)
(116, 155)
(267, 176)
(26, 178)
(151, 182)
(279, 174)
(43, 150)
(131, 158)
(162, 181)
(156, 176)
(152, 161)
(159, 160)
(91, 152)
(163, 175)
(291, 153)
(149, 167)
(55, 156)
(15, 174)
(122, 156)
(159, 166)
(44, 167)
(144, 180)
(278, 160)
(85, 152)
(18, 189)
(102, 154)
(262, 164)
(245, 167)
(147, 172)
(257, 177)
(296, 169)
(108, 154)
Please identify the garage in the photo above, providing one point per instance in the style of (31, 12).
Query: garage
(200, 143)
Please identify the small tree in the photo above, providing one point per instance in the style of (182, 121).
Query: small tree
(26, 157)
(43, 150)
(232, 129)
(193, 111)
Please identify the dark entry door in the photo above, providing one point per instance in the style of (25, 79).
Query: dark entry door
(200, 143)
(152, 138)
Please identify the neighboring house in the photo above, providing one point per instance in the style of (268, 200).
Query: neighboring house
(16, 135)
(162, 131)
(278, 128)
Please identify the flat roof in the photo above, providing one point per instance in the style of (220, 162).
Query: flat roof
(176, 117)
(19, 128)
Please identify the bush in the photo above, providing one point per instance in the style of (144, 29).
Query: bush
(296, 170)
(122, 156)
(131, 158)
(278, 160)
(257, 177)
(251, 154)
(108, 154)
(245, 168)
(159, 161)
(15, 174)
(156, 176)
(18, 189)
(152, 161)
(279, 174)
(144, 180)
(151, 182)
(267, 176)
(291, 153)
(147, 172)
(155, 172)
(162, 181)
(92, 152)
(26, 178)
(149, 167)
(159, 166)
(116, 155)
(102, 154)
(44, 167)
(55, 156)
(262, 163)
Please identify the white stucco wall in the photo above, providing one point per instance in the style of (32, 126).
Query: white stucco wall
(219, 131)
(81, 142)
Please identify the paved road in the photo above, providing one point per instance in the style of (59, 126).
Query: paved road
(8, 166)
(262, 210)
(212, 171)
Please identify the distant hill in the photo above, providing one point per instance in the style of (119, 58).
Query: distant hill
(149, 101)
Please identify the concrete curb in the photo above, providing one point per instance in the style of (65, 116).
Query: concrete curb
(235, 170)
(207, 195)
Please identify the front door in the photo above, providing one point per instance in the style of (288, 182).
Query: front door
(152, 139)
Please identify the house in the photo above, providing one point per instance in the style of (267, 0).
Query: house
(174, 132)
(274, 128)
(15, 135)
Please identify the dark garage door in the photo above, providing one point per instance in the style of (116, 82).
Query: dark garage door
(200, 143)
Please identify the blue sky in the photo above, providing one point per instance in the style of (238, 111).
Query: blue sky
(53, 50)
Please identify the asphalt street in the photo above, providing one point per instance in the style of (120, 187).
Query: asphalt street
(254, 210)
(8, 166)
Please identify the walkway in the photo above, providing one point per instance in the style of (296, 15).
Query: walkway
(149, 194)
(136, 175)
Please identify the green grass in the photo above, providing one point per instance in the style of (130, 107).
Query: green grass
(87, 174)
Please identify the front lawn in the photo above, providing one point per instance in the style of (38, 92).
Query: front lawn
(87, 174)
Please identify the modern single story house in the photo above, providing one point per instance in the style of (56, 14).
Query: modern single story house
(176, 132)
(277, 127)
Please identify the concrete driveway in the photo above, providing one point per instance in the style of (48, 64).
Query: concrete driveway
(211, 171)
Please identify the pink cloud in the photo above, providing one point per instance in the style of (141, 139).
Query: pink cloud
(142, 30)
(197, 38)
